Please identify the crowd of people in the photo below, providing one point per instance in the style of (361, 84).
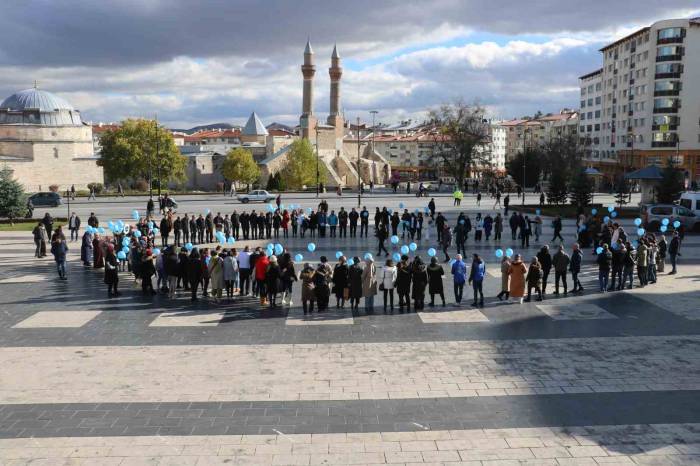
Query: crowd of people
(189, 263)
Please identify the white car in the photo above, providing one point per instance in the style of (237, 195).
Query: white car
(258, 195)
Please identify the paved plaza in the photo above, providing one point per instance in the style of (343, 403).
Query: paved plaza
(591, 379)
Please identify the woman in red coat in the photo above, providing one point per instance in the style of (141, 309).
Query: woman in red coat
(260, 275)
(285, 224)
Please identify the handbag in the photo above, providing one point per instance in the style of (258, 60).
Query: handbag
(381, 287)
(346, 293)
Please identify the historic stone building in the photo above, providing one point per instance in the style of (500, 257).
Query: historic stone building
(336, 144)
(44, 141)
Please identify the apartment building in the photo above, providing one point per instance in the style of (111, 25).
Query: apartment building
(527, 133)
(591, 113)
(650, 99)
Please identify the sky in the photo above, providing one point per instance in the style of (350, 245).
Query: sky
(211, 61)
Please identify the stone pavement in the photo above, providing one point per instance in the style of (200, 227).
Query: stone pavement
(594, 379)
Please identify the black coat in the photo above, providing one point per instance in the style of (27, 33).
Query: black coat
(340, 279)
(403, 278)
(420, 281)
(435, 274)
(194, 269)
(355, 281)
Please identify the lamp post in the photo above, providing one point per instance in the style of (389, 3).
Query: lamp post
(155, 121)
(527, 130)
(318, 173)
(359, 176)
(150, 171)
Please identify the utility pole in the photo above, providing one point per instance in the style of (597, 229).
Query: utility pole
(527, 130)
(160, 182)
(374, 128)
(318, 173)
(150, 171)
(359, 177)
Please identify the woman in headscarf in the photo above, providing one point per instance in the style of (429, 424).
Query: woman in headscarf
(420, 279)
(340, 282)
(355, 283)
(369, 284)
(216, 275)
(111, 271)
(273, 280)
(86, 249)
(516, 272)
(435, 274)
(307, 288)
(505, 267)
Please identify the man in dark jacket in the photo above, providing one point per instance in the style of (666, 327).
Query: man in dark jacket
(74, 226)
(513, 222)
(164, 231)
(545, 259)
(604, 262)
(183, 265)
(674, 250)
(194, 272)
(177, 228)
(560, 262)
(618, 259)
(403, 283)
(575, 267)
(200, 229)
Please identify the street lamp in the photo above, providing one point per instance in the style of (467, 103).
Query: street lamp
(155, 121)
(359, 177)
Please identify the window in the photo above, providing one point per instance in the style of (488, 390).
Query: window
(666, 103)
(598, 86)
(583, 116)
(590, 102)
(597, 127)
(583, 103)
(589, 115)
(670, 33)
(590, 88)
(669, 50)
(597, 100)
(582, 128)
(597, 114)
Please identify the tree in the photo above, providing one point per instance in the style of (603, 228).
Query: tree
(13, 201)
(533, 167)
(581, 189)
(669, 189)
(300, 169)
(622, 190)
(130, 152)
(240, 167)
(462, 139)
(558, 188)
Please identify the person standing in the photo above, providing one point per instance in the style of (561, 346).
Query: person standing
(403, 283)
(273, 279)
(322, 292)
(364, 221)
(525, 231)
(40, 239)
(642, 262)
(353, 216)
(446, 240)
(72, 191)
(517, 272)
(194, 272)
(661, 254)
(74, 226)
(435, 287)
(200, 229)
(150, 208)
(560, 261)
(177, 228)
(497, 227)
(476, 279)
(86, 249)
(387, 283)
(340, 282)
(369, 284)
(355, 283)
(419, 277)
(164, 231)
(148, 269)
(629, 262)
(534, 280)
(307, 288)
(459, 277)
(111, 271)
(382, 234)
(538, 227)
(59, 249)
(674, 251)
(575, 267)
(604, 261)
(92, 195)
(172, 270)
(618, 258)
(545, 260)
(505, 268)
(557, 226)
(260, 277)
(513, 222)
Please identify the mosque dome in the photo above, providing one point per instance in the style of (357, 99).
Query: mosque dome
(38, 107)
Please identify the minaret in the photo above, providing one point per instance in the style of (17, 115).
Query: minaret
(308, 70)
(335, 71)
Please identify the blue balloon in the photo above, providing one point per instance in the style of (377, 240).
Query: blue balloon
(351, 261)
(538, 211)
(611, 208)
(432, 252)
(598, 250)
(413, 246)
(207, 211)
(665, 221)
(461, 222)
(606, 219)
(311, 247)
(404, 249)
(230, 240)
(663, 228)
(156, 251)
(189, 246)
(298, 258)
(101, 230)
(150, 225)
(582, 228)
(271, 207)
(368, 256)
(207, 260)
(640, 231)
(637, 221)
(426, 210)
(400, 205)
(635, 243)
(135, 214)
(338, 254)
(594, 211)
(309, 209)
(111, 226)
(391, 211)
(499, 253)
(156, 231)
(396, 256)
(613, 214)
(676, 224)
(137, 233)
(417, 211)
(509, 252)
(121, 255)
(125, 241)
(279, 249)
(394, 239)
(452, 262)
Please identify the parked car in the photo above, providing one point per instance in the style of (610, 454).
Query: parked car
(45, 199)
(653, 214)
(257, 195)
(691, 201)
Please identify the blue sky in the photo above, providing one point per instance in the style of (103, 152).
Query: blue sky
(213, 61)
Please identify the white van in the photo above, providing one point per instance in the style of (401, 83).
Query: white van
(691, 200)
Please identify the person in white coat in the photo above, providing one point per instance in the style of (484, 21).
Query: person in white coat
(230, 273)
(387, 281)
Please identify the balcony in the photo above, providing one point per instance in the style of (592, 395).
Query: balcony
(667, 75)
(632, 65)
(631, 80)
(666, 110)
(666, 93)
(676, 57)
(670, 40)
(630, 113)
(658, 127)
(630, 144)
(663, 144)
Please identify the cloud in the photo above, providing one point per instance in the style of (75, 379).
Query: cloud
(198, 62)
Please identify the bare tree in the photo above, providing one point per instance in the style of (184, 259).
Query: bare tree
(462, 138)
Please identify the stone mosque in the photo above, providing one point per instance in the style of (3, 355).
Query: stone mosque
(337, 144)
(44, 142)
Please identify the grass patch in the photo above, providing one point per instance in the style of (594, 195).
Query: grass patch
(27, 224)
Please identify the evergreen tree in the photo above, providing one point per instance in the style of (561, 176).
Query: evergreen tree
(13, 201)
(671, 185)
(581, 189)
(622, 190)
